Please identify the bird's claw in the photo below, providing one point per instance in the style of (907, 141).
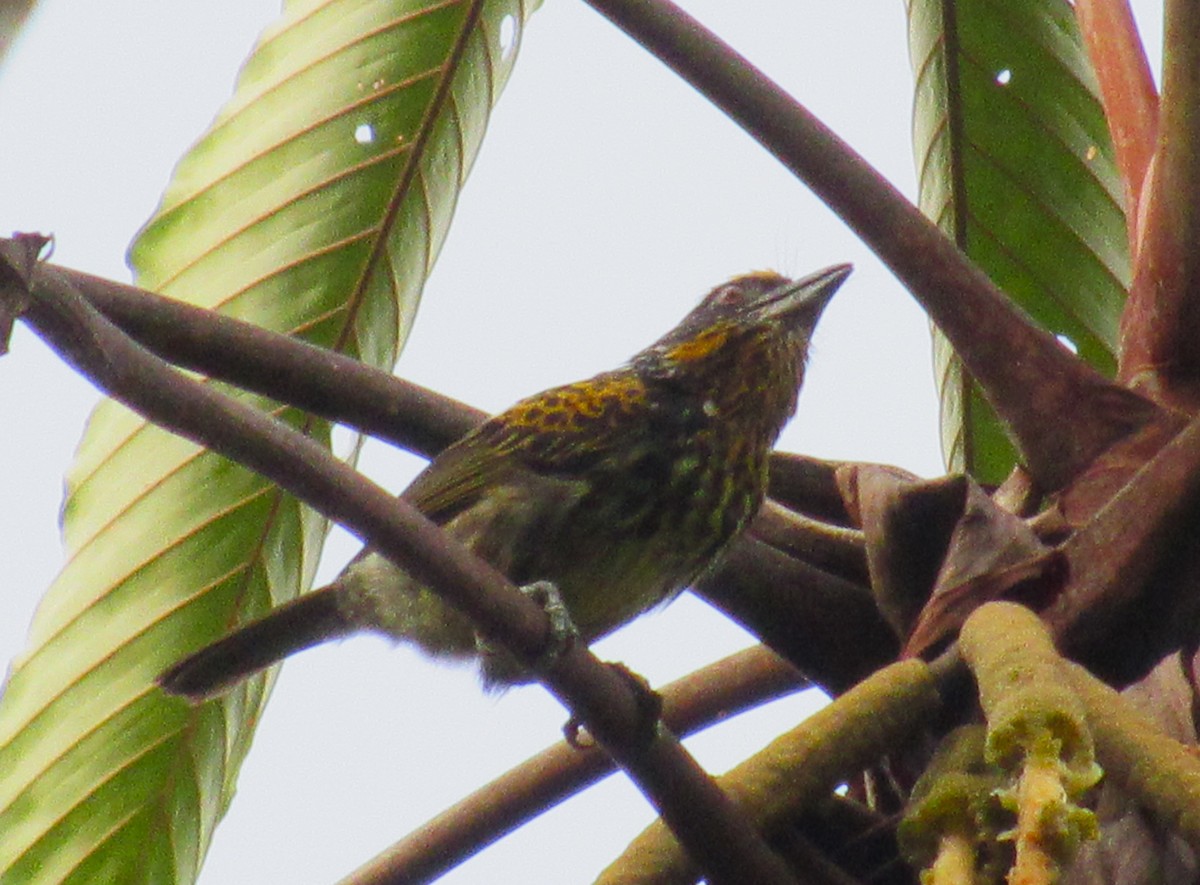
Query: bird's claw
(500, 668)
(562, 633)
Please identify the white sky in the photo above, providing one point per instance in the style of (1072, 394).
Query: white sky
(607, 198)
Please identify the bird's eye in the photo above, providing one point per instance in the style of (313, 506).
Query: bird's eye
(730, 296)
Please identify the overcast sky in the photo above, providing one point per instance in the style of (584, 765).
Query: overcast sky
(607, 198)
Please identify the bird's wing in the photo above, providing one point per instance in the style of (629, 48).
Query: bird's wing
(558, 435)
(495, 502)
(457, 478)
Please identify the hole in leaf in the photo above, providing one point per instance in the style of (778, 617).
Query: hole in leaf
(508, 35)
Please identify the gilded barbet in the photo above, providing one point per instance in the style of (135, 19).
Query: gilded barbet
(619, 490)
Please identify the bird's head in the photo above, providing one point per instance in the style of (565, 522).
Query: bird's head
(747, 336)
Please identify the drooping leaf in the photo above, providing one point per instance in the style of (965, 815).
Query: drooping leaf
(315, 205)
(1014, 161)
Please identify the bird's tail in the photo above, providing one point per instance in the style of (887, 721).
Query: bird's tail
(310, 620)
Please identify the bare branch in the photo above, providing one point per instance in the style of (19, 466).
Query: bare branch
(312, 378)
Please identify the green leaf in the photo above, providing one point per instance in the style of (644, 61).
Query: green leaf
(315, 205)
(1014, 161)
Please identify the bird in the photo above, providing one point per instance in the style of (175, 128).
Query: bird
(610, 495)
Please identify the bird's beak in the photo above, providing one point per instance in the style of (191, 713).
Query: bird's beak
(805, 298)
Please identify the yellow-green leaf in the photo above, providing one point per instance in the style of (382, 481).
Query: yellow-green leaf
(315, 205)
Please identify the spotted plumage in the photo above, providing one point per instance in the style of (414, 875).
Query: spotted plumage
(620, 489)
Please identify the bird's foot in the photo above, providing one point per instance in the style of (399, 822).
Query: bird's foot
(562, 633)
(500, 668)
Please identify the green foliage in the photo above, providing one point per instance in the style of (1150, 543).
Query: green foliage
(315, 205)
(1015, 163)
